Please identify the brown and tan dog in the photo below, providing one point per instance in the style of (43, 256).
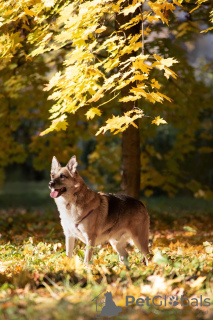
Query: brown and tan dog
(96, 217)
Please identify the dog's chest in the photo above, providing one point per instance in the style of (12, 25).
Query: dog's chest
(68, 212)
(69, 216)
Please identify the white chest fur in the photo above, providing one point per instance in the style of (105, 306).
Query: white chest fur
(68, 215)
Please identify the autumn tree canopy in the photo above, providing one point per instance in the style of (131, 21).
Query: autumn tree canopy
(68, 57)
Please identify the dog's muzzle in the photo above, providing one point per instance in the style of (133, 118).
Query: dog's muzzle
(51, 184)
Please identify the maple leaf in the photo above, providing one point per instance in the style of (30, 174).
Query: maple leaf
(158, 121)
(130, 9)
(155, 84)
(130, 98)
(165, 62)
(29, 12)
(97, 95)
(57, 124)
(120, 124)
(92, 112)
(99, 30)
(49, 3)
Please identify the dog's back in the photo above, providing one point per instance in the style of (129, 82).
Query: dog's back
(130, 221)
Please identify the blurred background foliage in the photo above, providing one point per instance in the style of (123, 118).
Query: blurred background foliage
(175, 158)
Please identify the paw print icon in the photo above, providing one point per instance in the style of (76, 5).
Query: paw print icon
(173, 301)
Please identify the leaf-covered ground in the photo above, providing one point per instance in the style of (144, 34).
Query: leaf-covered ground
(37, 281)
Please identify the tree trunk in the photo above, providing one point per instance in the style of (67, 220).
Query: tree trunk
(131, 160)
(130, 184)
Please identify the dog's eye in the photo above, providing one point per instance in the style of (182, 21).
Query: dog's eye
(62, 176)
(53, 176)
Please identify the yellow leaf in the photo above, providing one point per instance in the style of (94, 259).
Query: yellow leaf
(155, 84)
(49, 3)
(92, 112)
(24, 26)
(99, 30)
(158, 121)
(198, 282)
(120, 124)
(165, 62)
(152, 18)
(168, 72)
(29, 12)
(178, 3)
(97, 95)
(129, 98)
(139, 64)
(57, 124)
(164, 96)
(131, 9)
(111, 64)
(8, 12)
(132, 22)
(137, 45)
(139, 77)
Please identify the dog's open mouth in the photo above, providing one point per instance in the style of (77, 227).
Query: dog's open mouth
(57, 192)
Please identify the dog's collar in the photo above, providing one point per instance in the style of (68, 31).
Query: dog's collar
(77, 224)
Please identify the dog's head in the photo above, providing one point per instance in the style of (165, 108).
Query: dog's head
(63, 179)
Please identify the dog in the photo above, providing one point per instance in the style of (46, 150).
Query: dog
(95, 218)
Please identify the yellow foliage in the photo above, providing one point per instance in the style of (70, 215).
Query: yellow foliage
(29, 12)
(163, 64)
(49, 3)
(158, 121)
(121, 123)
(99, 30)
(57, 124)
(92, 112)
(199, 3)
(155, 84)
(83, 75)
(130, 9)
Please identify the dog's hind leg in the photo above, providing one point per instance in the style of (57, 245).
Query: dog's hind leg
(119, 246)
(70, 241)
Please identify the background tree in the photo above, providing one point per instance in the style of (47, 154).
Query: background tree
(81, 43)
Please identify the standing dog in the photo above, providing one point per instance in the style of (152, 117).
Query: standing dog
(96, 217)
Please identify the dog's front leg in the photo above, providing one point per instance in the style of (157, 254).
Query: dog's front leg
(89, 250)
(70, 241)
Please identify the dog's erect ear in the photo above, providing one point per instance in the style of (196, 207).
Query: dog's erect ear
(72, 164)
(55, 164)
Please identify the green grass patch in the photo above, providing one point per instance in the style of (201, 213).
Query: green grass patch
(37, 280)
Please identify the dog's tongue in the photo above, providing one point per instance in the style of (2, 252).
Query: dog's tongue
(54, 194)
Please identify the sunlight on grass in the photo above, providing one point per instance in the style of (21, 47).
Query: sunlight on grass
(36, 275)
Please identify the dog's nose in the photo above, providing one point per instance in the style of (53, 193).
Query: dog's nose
(51, 184)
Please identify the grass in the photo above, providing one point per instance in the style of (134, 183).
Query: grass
(38, 281)
(27, 195)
